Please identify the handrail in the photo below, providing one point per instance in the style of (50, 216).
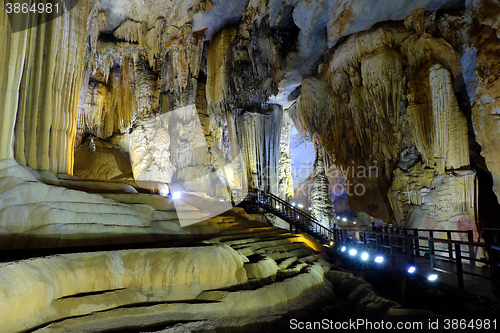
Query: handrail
(425, 230)
(264, 195)
(405, 241)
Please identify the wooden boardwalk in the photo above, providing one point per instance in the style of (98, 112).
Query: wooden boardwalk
(462, 264)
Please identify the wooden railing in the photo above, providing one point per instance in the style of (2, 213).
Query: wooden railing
(422, 246)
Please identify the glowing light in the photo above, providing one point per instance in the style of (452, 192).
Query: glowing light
(432, 277)
(293, 204)
(310, 208)
(353, 252)
(344, 219)
(379, 259)
(364, 256)
(301, 206)
(338, 217)
(176, 195)
(411, 270)
(353, 222)
(331, 243)
(343, 249)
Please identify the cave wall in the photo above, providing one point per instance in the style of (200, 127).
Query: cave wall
(480, 71)
(407, 88)
(385, 98)
(41, 77)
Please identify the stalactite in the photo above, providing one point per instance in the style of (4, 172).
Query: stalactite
(46, 126)
(376, 96)
(439, 127)
(259, 133)
(218, 66)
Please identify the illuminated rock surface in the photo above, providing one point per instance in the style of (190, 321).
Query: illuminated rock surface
(205, 97)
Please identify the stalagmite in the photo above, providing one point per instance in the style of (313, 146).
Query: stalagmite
(321, 197)
(285, 185)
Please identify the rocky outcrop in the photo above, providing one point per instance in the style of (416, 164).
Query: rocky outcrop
(104, 161)
(321, 197)
(285, 185)
(386, 101)
(246, 270)
(480, 71)
(42, 72)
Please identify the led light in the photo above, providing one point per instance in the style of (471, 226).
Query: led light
(338, 217)
(331, 243)
(411, 270)
(353, 222)
(343, 249)
(310, 208)
(293, 204)
(379, 259)
(353, 252)
(176, 195)
(344, 219)
(432, 277)
(364, 256)
(301, 206)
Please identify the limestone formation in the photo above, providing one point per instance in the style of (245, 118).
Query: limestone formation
(133, 129)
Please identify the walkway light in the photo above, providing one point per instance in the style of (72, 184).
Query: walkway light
(364, 256)
(176, 195)
(379, 259)
(432, 277)
(343, 249)
(411, 269)
(353, 252)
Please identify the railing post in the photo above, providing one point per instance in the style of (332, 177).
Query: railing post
(495, 284)
(450, 246)
(470, 237)
(460, 272)
(431, 253)
(393, 257)
(409, 248)
(417, 245)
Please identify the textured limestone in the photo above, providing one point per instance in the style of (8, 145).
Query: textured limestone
(106, 162)
(285, 186)
(424, 198)
(385, 99)
(43, 114)
(259, 134)
(480, 68)
(33, 291)
(321, 198)
(99, 290)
